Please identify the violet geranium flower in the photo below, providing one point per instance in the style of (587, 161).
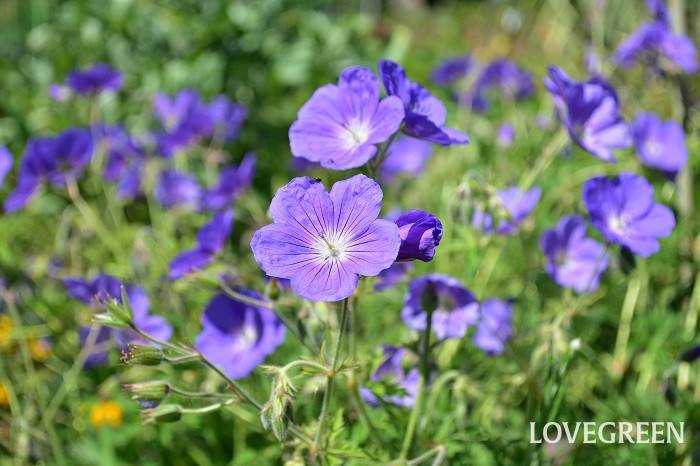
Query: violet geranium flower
(457, 307)
(392, 369)
(504, 76)
(660, 144)
(495, 326)
(516, 204)
(420, 233)
(340, 126)
(55, 159)
(452, 69)
(96, 79)
(6, 162)
(175, 188)
(323, 242)
(405, 155)
(592, 114)
(574, 261)
(237, 336)
(211, 239)
(124, 161)
(624, 211)
(425, 113)
(655, 40)
(232, 181)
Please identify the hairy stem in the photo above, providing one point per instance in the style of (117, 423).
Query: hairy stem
(423, 377)
(331, 376)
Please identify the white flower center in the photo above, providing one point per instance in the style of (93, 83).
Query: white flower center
(356, 133)
(617, 225)
(332, 247)
(652, 148)
(247, 336)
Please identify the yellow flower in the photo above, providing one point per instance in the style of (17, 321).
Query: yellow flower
(40, 349)
(4, 398)
(106, 412)
(5, 329)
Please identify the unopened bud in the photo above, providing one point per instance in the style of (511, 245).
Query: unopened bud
(429, 299)
(108, 320)
(148, 392)
(142, 355)
(163, 414)
(273, 289)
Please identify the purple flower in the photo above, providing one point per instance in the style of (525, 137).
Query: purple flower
(185, 119)
(237, 337)
(505, 77)
(691, 355)
(506, 135)
(97, 78)
(591, 112)
(227, 118)
(125, 157)
(425, 114)
(457, 308)
(574, 261)
(322, 242)
(340, 126)
(516, 206)
(6, 162)
(57, 160)
(232, 181)
(175, 188)
(392, 369)
(653, 40)
(104, 287)
(406, 155)
(211, 239)
(452, 69)
(420, 234)
(659, 11)
(495, 326)
(393, 275)
(624, 211)
(660, 144)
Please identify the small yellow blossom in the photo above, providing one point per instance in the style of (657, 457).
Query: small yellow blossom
(40, 349)
(4, 398)
(106, 412)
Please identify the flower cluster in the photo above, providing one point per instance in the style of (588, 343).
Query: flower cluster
(500, 76)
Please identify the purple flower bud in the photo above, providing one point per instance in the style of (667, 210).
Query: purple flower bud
(420, 234)
(97, 78)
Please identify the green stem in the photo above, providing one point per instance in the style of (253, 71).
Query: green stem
(92, 219)
(628, 305)
(186, 394)
(31, 374)
(423, 377)
(331, 376)
(164, 344)
(71, 375)
(250, 400)
(302, 362)
(543, 162)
